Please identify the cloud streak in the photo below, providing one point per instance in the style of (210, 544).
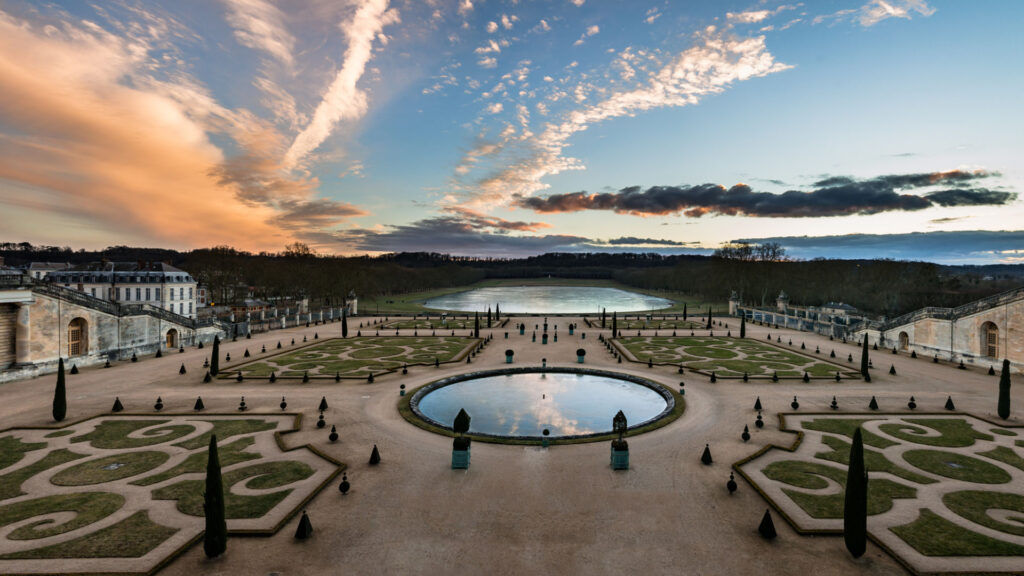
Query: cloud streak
(259, 25)
(343, 100)
(833, 196)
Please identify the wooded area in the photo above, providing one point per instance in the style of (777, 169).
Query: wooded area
(756, 273)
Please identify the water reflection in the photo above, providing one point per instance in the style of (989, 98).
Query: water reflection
(549, 300)
(525, 404)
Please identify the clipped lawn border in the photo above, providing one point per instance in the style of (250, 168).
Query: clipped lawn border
(405, 318)
(230, 373)
(783, 427)
(669, 415)
(625, 353)
(174, 554)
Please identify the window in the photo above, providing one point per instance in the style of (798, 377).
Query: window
(190, 308)
(181, 293)
(117, 293)
(147, 294)
(181, 308)
(189, 293)
(138, 293)
(157, 293)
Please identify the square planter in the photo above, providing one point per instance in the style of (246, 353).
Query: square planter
(620, 459)
(460, 459)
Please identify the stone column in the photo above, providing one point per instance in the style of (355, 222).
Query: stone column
(23, 334)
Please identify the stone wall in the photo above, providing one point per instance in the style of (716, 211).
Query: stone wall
(8, 318)
(106, 336)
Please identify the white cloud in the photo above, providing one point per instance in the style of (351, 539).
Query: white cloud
(488, 62)
(748, 17)
(590, 31)
(492, 27)
(259, 25)
(343, 99)
(578, 2)
(710, 67)
(877, 10)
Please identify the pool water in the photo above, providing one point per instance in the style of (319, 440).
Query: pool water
(548, 300)
(525, 404)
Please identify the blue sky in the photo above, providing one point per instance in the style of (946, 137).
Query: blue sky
(505, 128)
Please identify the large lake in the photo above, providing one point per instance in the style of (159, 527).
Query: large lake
(526, 404)
(548, 300)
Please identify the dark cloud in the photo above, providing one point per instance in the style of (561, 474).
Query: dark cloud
(970, 197)
(634, 241)
(832, 196)
(958, 247)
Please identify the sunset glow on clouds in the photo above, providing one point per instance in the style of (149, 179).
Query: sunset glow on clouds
(505, 128)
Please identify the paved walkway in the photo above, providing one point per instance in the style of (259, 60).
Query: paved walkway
(522, 510)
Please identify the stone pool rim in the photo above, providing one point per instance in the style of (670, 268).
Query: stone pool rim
(674, 405)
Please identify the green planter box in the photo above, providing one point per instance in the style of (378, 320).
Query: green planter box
(579, 359)
(460, 459)
(620, 459)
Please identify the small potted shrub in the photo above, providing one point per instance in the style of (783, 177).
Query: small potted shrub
(508, 356)
(580, 353)
(460, 445)
(620, 448)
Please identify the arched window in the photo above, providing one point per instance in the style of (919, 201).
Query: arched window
(990, 340)
(78, 337)
(904, 341)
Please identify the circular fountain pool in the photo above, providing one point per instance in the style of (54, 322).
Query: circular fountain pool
(522, 402)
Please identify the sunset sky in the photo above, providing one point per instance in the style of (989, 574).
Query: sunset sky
(879, 128)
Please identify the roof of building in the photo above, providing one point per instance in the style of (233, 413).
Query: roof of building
(49, 266)
(141, 268)
(839, 306)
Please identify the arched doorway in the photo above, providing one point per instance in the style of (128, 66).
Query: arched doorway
(990, 340)
(78, 337)
(172, 338)
(904, 341)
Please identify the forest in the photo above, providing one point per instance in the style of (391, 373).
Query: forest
(757, 274)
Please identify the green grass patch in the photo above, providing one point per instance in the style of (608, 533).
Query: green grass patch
(229, 454)
(88, 507)
(225, 429)
(846, 427)
(874, 460)
(957, 466)
(953, 433)
(975, 504)
(132, 537)
(1006, 455)
(264, 476)
(12, 450)
(110, 468)
(10, 484)
(811, 475)
(1003, 432)
(114, 434)
(59, 433)
(933, 535)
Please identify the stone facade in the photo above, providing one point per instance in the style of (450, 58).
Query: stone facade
(47, 325)
(983, 332)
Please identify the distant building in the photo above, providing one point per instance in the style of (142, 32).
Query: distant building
(40, 270)
(250, 306)
(154, 283)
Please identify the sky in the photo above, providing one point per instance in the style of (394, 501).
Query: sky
(846, 128)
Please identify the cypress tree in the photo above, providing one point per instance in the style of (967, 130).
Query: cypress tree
(855, 507)
(743, 326)
(215, 540)
(476, 324)
(344, 322)
(603, 316)
(215, 357)
(864, 360)
(684, 311)
(709, 318)
(615, 325)
(497, 312)
(60, 395)
(1004, 391)
(488, 316)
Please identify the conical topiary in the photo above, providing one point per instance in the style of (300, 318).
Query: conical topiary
(912, 404)
(855, 499)
(873, 405)
(767, 527)
(215, 539)
(806, 377)
(892, 369)
(74, 369)
(182, 369)
(323, 404)
(746, 433)
(705, 457)
(305, 529)
(835, 405)
(731, 484)
(333, 436)
(199, 404)
(215, 357)
(305, 377)
(159, 404)
(158, 354)
(991, 370)
(757, 403)
(949, 403)
(1003, 406)
(374, 456)
(60, 394)
(273, 376)
(118, 407)
(207, 379)
(864, 365)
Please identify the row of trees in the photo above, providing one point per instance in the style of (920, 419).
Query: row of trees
(756, 272)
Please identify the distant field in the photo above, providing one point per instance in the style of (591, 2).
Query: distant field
(412, 303)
